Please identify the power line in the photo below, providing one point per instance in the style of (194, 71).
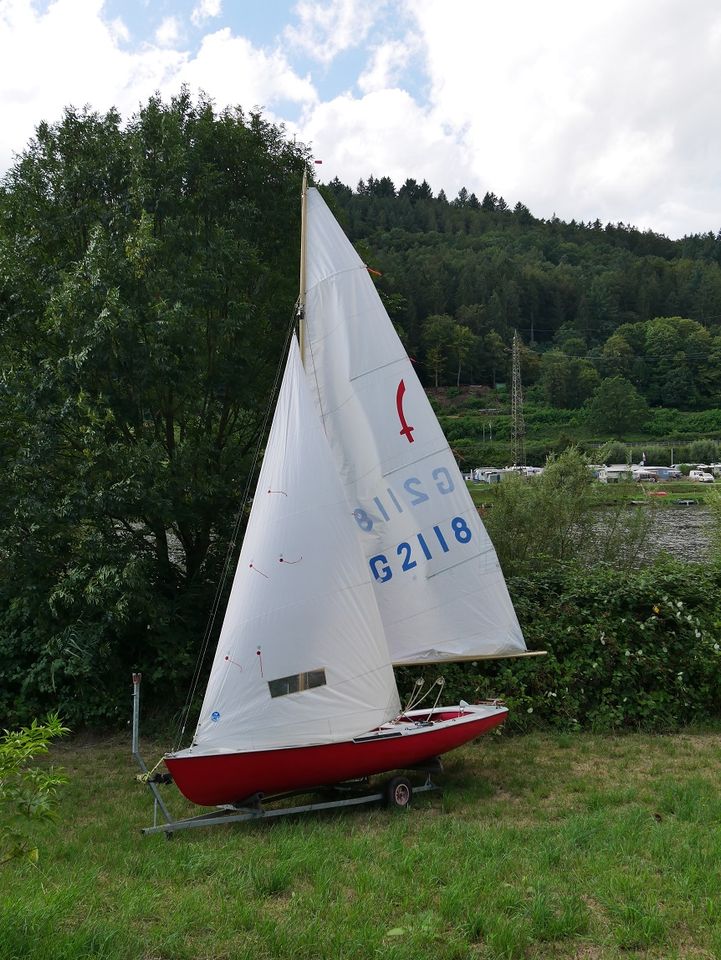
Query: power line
(594, 358)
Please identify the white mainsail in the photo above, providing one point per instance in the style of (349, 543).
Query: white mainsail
(438, 583)
(302, 657)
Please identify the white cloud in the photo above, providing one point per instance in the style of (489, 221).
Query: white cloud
(70, 55)
(326, 29)
(387, 62)
(594, 109)
(231, 70)
(205, 10)
(67, 55)
(168, 33)
(602, 108)
(384, 133)
(118, 30)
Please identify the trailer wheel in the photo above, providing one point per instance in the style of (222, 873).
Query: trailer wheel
(398, 793)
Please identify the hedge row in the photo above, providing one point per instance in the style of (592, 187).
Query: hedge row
(639, 650)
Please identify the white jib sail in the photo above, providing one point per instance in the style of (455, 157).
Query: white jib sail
(439, 585)
(302, 657)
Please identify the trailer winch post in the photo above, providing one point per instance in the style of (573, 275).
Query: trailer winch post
(137, 677)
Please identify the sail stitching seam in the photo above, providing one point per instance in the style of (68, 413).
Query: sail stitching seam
(338, 273)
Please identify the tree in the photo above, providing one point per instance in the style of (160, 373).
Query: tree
(522, 213)
(462, 343)
(340, 190)
(424, 191)
(567, 382)
(704, 451)
(140, 335)
(617, 356)
(462, 198)
(616, 407)
(28, 793)
(438, 333)
(489, 202)
(384, 188)
(497, 355)
(414, 191)
(613, 452)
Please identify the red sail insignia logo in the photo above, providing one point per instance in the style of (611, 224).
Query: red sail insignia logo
(406, 431)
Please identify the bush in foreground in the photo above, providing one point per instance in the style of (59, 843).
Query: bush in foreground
(27, 793)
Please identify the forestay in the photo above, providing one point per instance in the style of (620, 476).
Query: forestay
(302, 657)
(437, 579)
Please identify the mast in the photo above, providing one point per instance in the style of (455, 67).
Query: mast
(301, 294)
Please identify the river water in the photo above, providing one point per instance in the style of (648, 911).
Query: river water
(684, 532)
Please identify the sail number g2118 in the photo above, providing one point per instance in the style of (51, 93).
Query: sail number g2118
(415, 492)
(381, 566)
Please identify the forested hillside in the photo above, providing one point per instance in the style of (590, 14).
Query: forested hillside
(589, 301)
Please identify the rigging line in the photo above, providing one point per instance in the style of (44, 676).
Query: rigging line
(421, 695)
(441, 681)
(413, 699)
(220, 591)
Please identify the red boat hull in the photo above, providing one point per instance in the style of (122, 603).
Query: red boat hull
(233, 777)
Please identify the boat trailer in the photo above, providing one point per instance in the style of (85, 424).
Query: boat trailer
(395, 792)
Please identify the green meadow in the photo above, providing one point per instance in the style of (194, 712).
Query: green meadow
(539, 846)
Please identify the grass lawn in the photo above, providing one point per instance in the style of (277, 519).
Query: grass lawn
(541, 846)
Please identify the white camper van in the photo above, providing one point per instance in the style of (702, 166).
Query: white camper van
(701, 476)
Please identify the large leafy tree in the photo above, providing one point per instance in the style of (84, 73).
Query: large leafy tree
(147, 281)
(616, 407)
(567, 381)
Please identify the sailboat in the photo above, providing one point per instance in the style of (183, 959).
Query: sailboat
(363, 551)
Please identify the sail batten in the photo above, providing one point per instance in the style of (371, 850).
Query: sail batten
(391, 363)
(412, 463)
(432, 563)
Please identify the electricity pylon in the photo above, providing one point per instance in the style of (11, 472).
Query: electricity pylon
(518, 426)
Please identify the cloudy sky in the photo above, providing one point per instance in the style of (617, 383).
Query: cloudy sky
(600, 108)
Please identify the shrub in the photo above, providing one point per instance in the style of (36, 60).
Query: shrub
(473, 402)
(613, 452)
(27, 793)
(553, 518)
(471, 427)
(627, 649)
(540, 414)
(654, 454)
(660, 456)
(704, 451)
